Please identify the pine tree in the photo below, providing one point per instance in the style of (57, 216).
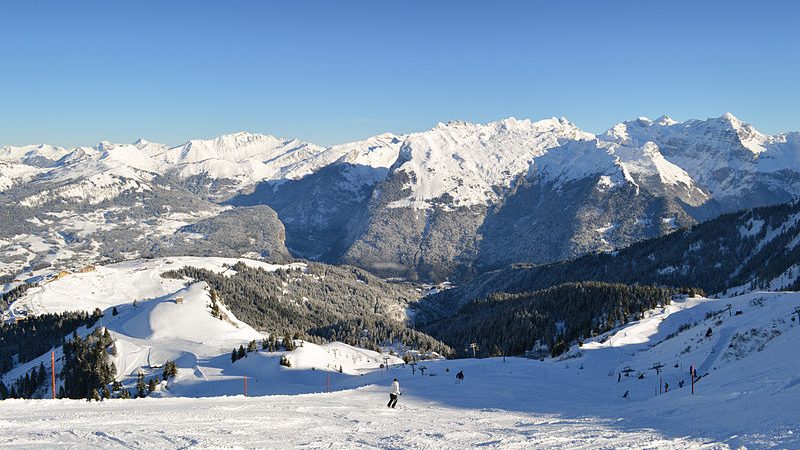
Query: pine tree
(140, 387)
(151, 385)
(251, 347)
(288, 344)
(41, 375)
(170, 370)
(3, 391)
(234, 356)
(95, 396)
(106, 393)
(114, 311)
(125, 394)
(241, 353)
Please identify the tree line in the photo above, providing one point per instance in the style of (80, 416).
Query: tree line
(28, 339)
(322, 303)
(510, 324)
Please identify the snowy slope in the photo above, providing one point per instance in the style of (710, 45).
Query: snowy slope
(467, 161)
(120, 283)
(171, 320)
(746, 396)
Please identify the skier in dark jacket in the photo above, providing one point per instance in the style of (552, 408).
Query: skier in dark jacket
(460, 376)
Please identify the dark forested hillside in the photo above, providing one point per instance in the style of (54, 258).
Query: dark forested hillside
(343, 303)
(28, 339)
(555, 317)
(752, 248)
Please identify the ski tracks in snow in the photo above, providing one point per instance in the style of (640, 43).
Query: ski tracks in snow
(340, 420)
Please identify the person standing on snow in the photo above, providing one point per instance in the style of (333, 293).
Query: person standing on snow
(394, 393)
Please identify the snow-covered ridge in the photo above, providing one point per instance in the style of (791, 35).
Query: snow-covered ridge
(469, 162)
(711, 150)
(121, 283)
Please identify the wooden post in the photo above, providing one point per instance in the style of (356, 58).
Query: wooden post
(53, 371)
(691, 371)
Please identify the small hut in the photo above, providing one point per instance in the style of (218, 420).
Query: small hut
(61, 275)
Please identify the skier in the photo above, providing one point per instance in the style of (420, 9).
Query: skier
(459, 376)
(394, 393)
(666, 387)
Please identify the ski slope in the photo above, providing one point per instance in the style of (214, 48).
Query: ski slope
(343, 420)
(746, 396)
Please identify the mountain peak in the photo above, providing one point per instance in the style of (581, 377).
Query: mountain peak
(665, 121)
(730, 118)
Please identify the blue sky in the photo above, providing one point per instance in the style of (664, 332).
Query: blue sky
(75, 73)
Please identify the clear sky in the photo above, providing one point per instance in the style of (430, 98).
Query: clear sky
(75, 73)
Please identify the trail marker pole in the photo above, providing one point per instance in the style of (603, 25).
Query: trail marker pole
(691, 371)
(473, 346)
(53, 371)
(245, 385)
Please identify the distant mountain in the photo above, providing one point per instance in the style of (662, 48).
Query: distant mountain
(734, 253)
(447, 203)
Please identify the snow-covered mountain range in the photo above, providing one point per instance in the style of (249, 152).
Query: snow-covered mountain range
(441, 203)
